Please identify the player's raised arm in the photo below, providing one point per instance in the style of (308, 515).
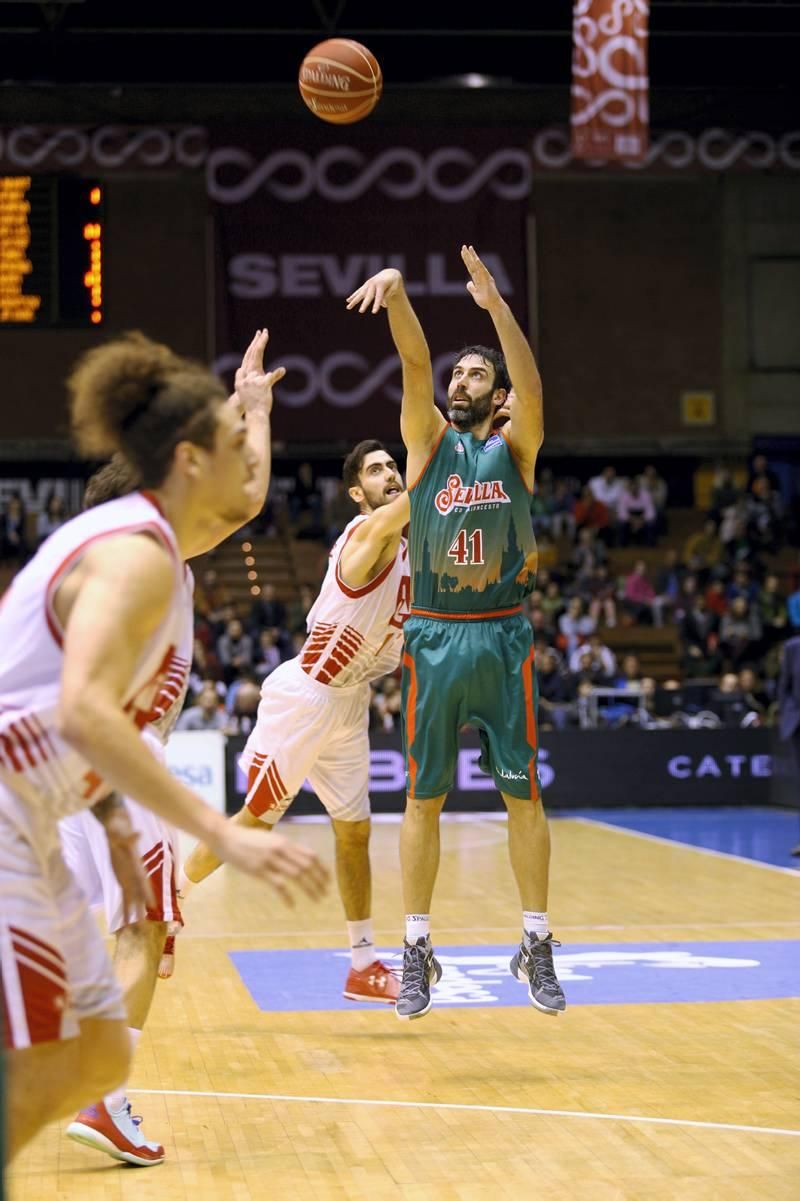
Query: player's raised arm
(253, 398)
(526, 427)
(420, 420)
(371, 541)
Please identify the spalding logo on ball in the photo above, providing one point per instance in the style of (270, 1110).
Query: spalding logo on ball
(340, 81)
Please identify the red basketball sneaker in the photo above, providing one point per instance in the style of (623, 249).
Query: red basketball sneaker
(374, 983)
(117, 1134)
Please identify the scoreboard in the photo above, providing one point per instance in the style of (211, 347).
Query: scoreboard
(51, 251)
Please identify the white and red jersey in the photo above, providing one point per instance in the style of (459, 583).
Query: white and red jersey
(45, 772)
(166, 708)
(356, 634)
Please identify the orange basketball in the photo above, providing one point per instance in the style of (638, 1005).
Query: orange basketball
(340, 81)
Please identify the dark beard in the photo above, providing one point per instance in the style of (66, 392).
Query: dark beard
(475, 414)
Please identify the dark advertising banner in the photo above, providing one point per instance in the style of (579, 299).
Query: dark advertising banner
(303, 214)
(586, 767)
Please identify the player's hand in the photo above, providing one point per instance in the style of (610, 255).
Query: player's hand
(275, 860)
(253, 385)
(126, 863)
(377, 291)
(481, 286)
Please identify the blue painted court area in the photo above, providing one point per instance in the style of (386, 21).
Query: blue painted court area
(766, 835)
(591, 974)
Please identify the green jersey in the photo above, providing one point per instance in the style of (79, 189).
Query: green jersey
(471, 541)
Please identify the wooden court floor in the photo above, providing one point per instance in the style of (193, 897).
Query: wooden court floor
(671, 1100)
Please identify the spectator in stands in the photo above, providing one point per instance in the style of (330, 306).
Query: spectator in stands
(757, 696)
(656, 485)
(267, 612)
(772, 610)
(242, 719)
(592, 513)
(575, 626)
(14, 546)
(386, 704)
(267, 654)
(636, 516)
(543, 625)
(701, 660)
(742, 585)
(298, 610)
(765, 516)
(542, 508)
(724, 493)
(639, 594)
(630, 673)
(600, 592)
(730, 704)
(53, 514)
(699, 626)
(234, 651)
(621, 712)
(305, 504)
(557, 692)
(588, 553)
(563, 516)
(668, 585)
(339, 512)
(607, 487)
(601, 659)
(703, 551)
(588, 670)
(206, 713)
(740, 633)
(211, 597)
(761, 473)
(733, 529)
(715, 596)
(552, 602)
(205, 664)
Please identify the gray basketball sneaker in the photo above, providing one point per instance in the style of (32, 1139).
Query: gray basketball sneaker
(420, 971)
(533, 965)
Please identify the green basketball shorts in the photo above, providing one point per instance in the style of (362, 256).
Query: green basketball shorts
(459, 672)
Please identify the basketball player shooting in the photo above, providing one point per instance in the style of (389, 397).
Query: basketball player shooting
(468, 656)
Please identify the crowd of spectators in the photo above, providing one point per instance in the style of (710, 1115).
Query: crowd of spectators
(608, 562)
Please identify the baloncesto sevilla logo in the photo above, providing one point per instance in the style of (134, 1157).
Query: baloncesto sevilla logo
(457, 495)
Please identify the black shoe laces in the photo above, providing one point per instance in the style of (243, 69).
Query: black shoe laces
(541, 955)
(414, 968)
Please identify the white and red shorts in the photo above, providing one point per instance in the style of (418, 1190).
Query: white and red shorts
(308, 731)
(85, 847)
(54, 968)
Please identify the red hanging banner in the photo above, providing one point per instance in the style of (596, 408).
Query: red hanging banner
(610, 112)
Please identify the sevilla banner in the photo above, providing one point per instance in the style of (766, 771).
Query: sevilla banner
(304, 213)
(610, 112)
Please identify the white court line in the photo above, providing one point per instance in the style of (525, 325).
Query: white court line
(502, 1109)
(676, 842)
(335, 931)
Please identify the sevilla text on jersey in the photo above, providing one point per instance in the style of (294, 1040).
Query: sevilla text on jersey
(457, 495)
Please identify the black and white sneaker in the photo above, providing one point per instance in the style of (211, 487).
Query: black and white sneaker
(533, 965)
(420, 970)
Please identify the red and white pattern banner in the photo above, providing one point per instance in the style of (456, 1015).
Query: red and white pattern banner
(610, 85)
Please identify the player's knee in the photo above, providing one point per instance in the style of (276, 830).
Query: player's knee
(352, 835)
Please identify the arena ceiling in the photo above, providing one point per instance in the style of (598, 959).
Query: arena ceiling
(694, 43)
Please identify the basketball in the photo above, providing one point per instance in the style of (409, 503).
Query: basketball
(340, 81)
